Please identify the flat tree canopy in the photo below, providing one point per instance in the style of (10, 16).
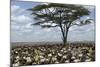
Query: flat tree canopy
(62, 15)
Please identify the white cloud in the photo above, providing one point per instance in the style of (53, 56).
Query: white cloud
(22, 19)
(87, 17)
(28, 25)
(90, 8)
(53, 24)
(19, 21)
(44, 3)
(15, 27)
(37, 33)
(18, 14)
(26, 30)
(16, 9)
(47, 29)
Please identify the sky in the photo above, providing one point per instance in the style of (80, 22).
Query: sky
(22, 31)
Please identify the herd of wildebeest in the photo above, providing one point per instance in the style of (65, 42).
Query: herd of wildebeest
(52, 54)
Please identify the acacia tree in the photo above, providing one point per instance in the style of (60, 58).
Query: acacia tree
(62, 15)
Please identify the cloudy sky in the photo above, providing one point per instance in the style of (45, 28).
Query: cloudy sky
(22, 31)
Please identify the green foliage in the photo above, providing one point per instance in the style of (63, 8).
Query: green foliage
(62, 15)
(88, 21)
(58, 13)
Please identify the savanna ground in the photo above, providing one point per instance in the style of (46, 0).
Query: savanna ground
(23, 54)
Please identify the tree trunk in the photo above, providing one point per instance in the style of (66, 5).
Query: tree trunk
(65, 37)
(65, 41)
(64, 31)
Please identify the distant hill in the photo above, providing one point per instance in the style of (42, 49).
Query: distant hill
(14, 44)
